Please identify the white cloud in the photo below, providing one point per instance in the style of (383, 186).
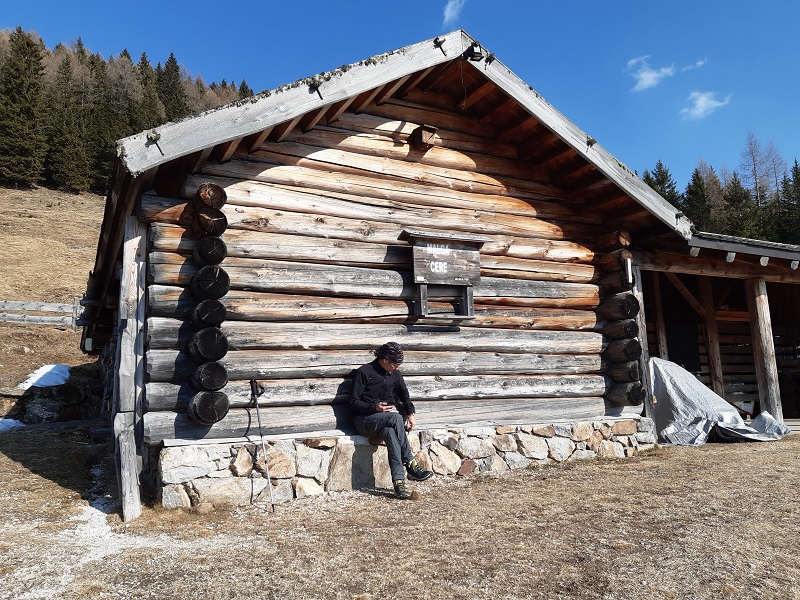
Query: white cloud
(452, 11)
(696, 65)
(703, 104)
(647, 77)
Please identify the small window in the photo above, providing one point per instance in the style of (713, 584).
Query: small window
(446, 266)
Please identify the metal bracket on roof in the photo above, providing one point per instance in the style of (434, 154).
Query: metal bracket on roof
(152, 137)
(439, 43)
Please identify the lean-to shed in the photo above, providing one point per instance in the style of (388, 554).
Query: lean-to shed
(426, 196)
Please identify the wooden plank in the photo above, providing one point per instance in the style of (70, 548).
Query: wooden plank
(769, 392)
(676, 263)
(688, 296)
(437, 156)
(477, 94)
(661, 328)
(327, 391)
(352, 163)
(400, 130)
(165, 333)
(66, 321)
(199, 159)
(127, 465)
(241, 422)
(131, 314)
(176, 366)
(310, 120)
(712, 336)
(644, 359)
(320, 279)
(34, 306)
(389, 89)
(241, 305)
(252, 244)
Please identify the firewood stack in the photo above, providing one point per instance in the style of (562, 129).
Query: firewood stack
(209, 343)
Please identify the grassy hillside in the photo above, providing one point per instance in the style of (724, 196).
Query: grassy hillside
(47, 247)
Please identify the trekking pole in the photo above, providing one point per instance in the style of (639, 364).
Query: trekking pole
(255, 392)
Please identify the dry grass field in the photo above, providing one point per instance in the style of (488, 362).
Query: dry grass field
(721, 521)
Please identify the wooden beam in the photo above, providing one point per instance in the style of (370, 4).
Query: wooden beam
(223, 152)
(712, 336)
(337, 110)
(477, 94)
(253, 142)
(676, 263)
(522, 125)
(500, 108)
(389, 89)
(661, 330)
(129, 380)
(198, 160)
(413, 81)
(280, 132)
(361, 101)
(310, 120)
(769, 392)
(684, 291)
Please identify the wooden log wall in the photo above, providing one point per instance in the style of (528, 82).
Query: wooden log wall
(311, 276)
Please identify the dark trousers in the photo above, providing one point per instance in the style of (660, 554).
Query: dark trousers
(390, 426)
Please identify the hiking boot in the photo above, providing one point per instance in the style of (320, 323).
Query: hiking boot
(416, 472)
(400, 489)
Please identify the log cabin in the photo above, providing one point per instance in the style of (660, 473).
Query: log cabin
(427, 196)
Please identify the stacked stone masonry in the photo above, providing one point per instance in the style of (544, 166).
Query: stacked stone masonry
(235, 474)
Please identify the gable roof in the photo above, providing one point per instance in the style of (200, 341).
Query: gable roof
(381, 76)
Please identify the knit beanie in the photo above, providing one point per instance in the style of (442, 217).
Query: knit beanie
(391, 351)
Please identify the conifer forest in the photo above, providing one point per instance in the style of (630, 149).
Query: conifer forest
(62, 110)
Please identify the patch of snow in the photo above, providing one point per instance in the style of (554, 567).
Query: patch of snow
(46, 375)
(9, 424)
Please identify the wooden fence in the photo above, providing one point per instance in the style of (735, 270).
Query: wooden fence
(20, 312)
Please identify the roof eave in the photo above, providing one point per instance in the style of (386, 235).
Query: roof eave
(143, 151)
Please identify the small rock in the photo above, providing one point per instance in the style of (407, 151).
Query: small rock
(515, 460)
(204, 508)
(467, 467)
(307, 487)
(531, 446)
(505, 442)
(473, 447)
(627, 427)
(582, 431)
(443, 460)
(242, 465)
(321, 443)
(505, 429)
(547, 431)
(560, 448)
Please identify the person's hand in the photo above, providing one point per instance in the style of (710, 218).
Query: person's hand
(411, 422)
(382, 407)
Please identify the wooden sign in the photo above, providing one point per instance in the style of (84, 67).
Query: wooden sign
(445, 258)
(446, 263)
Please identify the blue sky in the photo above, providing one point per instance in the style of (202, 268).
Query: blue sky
(678, 81)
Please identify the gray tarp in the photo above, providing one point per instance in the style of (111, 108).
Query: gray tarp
(687, 413)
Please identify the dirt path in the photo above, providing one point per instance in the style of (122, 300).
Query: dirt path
(720, 521)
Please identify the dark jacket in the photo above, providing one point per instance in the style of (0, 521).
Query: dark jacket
(372, 384)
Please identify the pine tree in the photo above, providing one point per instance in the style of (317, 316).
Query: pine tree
(661, 181)
(22, 124)
(67, 166)
(742, 213)
(244, 90)
(788, 230)
(696, 204)
(170, 90)
(149, 109)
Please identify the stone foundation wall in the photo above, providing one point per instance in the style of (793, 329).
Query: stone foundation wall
(235, 474)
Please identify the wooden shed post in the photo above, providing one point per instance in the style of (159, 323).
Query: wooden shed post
(661, 330)
(769, 393)
(644, 359)
(712, 336)
(130, 366)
